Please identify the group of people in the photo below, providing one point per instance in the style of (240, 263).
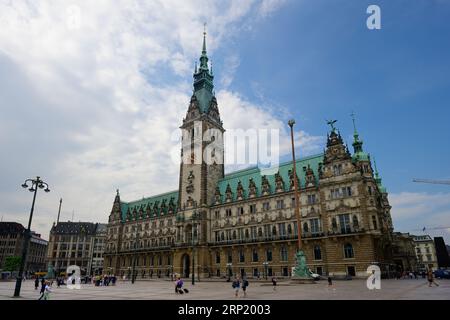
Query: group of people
(104, 280)
(238, 283)
(415, 275)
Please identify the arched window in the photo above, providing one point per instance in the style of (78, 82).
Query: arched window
(348, 251)
(234, 235)
(222, 236)
(305, 227)
(274, 230)
(289, 229)
(260, 234)
(317, 253)
(247, 235)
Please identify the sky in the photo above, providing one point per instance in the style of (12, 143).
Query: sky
(92, 94)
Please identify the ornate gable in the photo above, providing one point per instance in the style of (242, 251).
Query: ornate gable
(228, 194)
(265, 186)
(252, 190)
(240, 191)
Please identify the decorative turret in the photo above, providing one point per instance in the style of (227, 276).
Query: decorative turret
(378, 180)
(359, 154)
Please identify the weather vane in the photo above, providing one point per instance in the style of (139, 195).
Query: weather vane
(331, 124)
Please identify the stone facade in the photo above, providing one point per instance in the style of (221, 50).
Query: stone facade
(218, 225)
(11, 244)
(426, 253)
(77, 243)
(404, 252)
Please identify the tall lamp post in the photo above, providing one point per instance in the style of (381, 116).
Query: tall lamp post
(35, 185)
(301, 270)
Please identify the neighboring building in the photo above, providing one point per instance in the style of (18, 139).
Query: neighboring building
(11, 244)
(442, 253)
(76, 243)
(244, 222)
(426, 253)
(98, 248)
(404, 252)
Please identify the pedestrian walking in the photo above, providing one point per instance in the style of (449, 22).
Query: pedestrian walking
(42, 289)
(43, 283)
(179, 286)
(274, 283)
(47, 290)
(245, 284)
(236, 285)
(36, 283)
(430, 278)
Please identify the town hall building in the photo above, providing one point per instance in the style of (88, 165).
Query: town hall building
(221, 225)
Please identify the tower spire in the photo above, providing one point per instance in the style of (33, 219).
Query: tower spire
(204, 39)
(378, 180)
(357, 143)
(204, 56)
(203, 79)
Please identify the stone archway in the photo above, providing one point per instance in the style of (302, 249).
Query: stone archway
(186, 263)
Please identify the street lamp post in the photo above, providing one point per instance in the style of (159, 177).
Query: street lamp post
(35, 184)
(301, 270)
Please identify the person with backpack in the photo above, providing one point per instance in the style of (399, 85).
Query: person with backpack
(244, 286)
(236, 285)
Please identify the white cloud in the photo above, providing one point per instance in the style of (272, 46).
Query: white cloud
(90, 101)
(269, 6)
(412, 211)
(231, 65)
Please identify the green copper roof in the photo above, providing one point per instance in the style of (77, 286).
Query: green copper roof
(255, 173)
(151, 201)
(378, 180)
(361, 156)
(203, 80)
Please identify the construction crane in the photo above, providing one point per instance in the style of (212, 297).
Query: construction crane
(432, 181)
(435, 228)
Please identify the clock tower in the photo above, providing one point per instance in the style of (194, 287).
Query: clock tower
(202, 154)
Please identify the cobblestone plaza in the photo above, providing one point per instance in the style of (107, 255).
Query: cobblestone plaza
(164, 290)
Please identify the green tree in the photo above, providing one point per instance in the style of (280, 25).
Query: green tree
(12, 263)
